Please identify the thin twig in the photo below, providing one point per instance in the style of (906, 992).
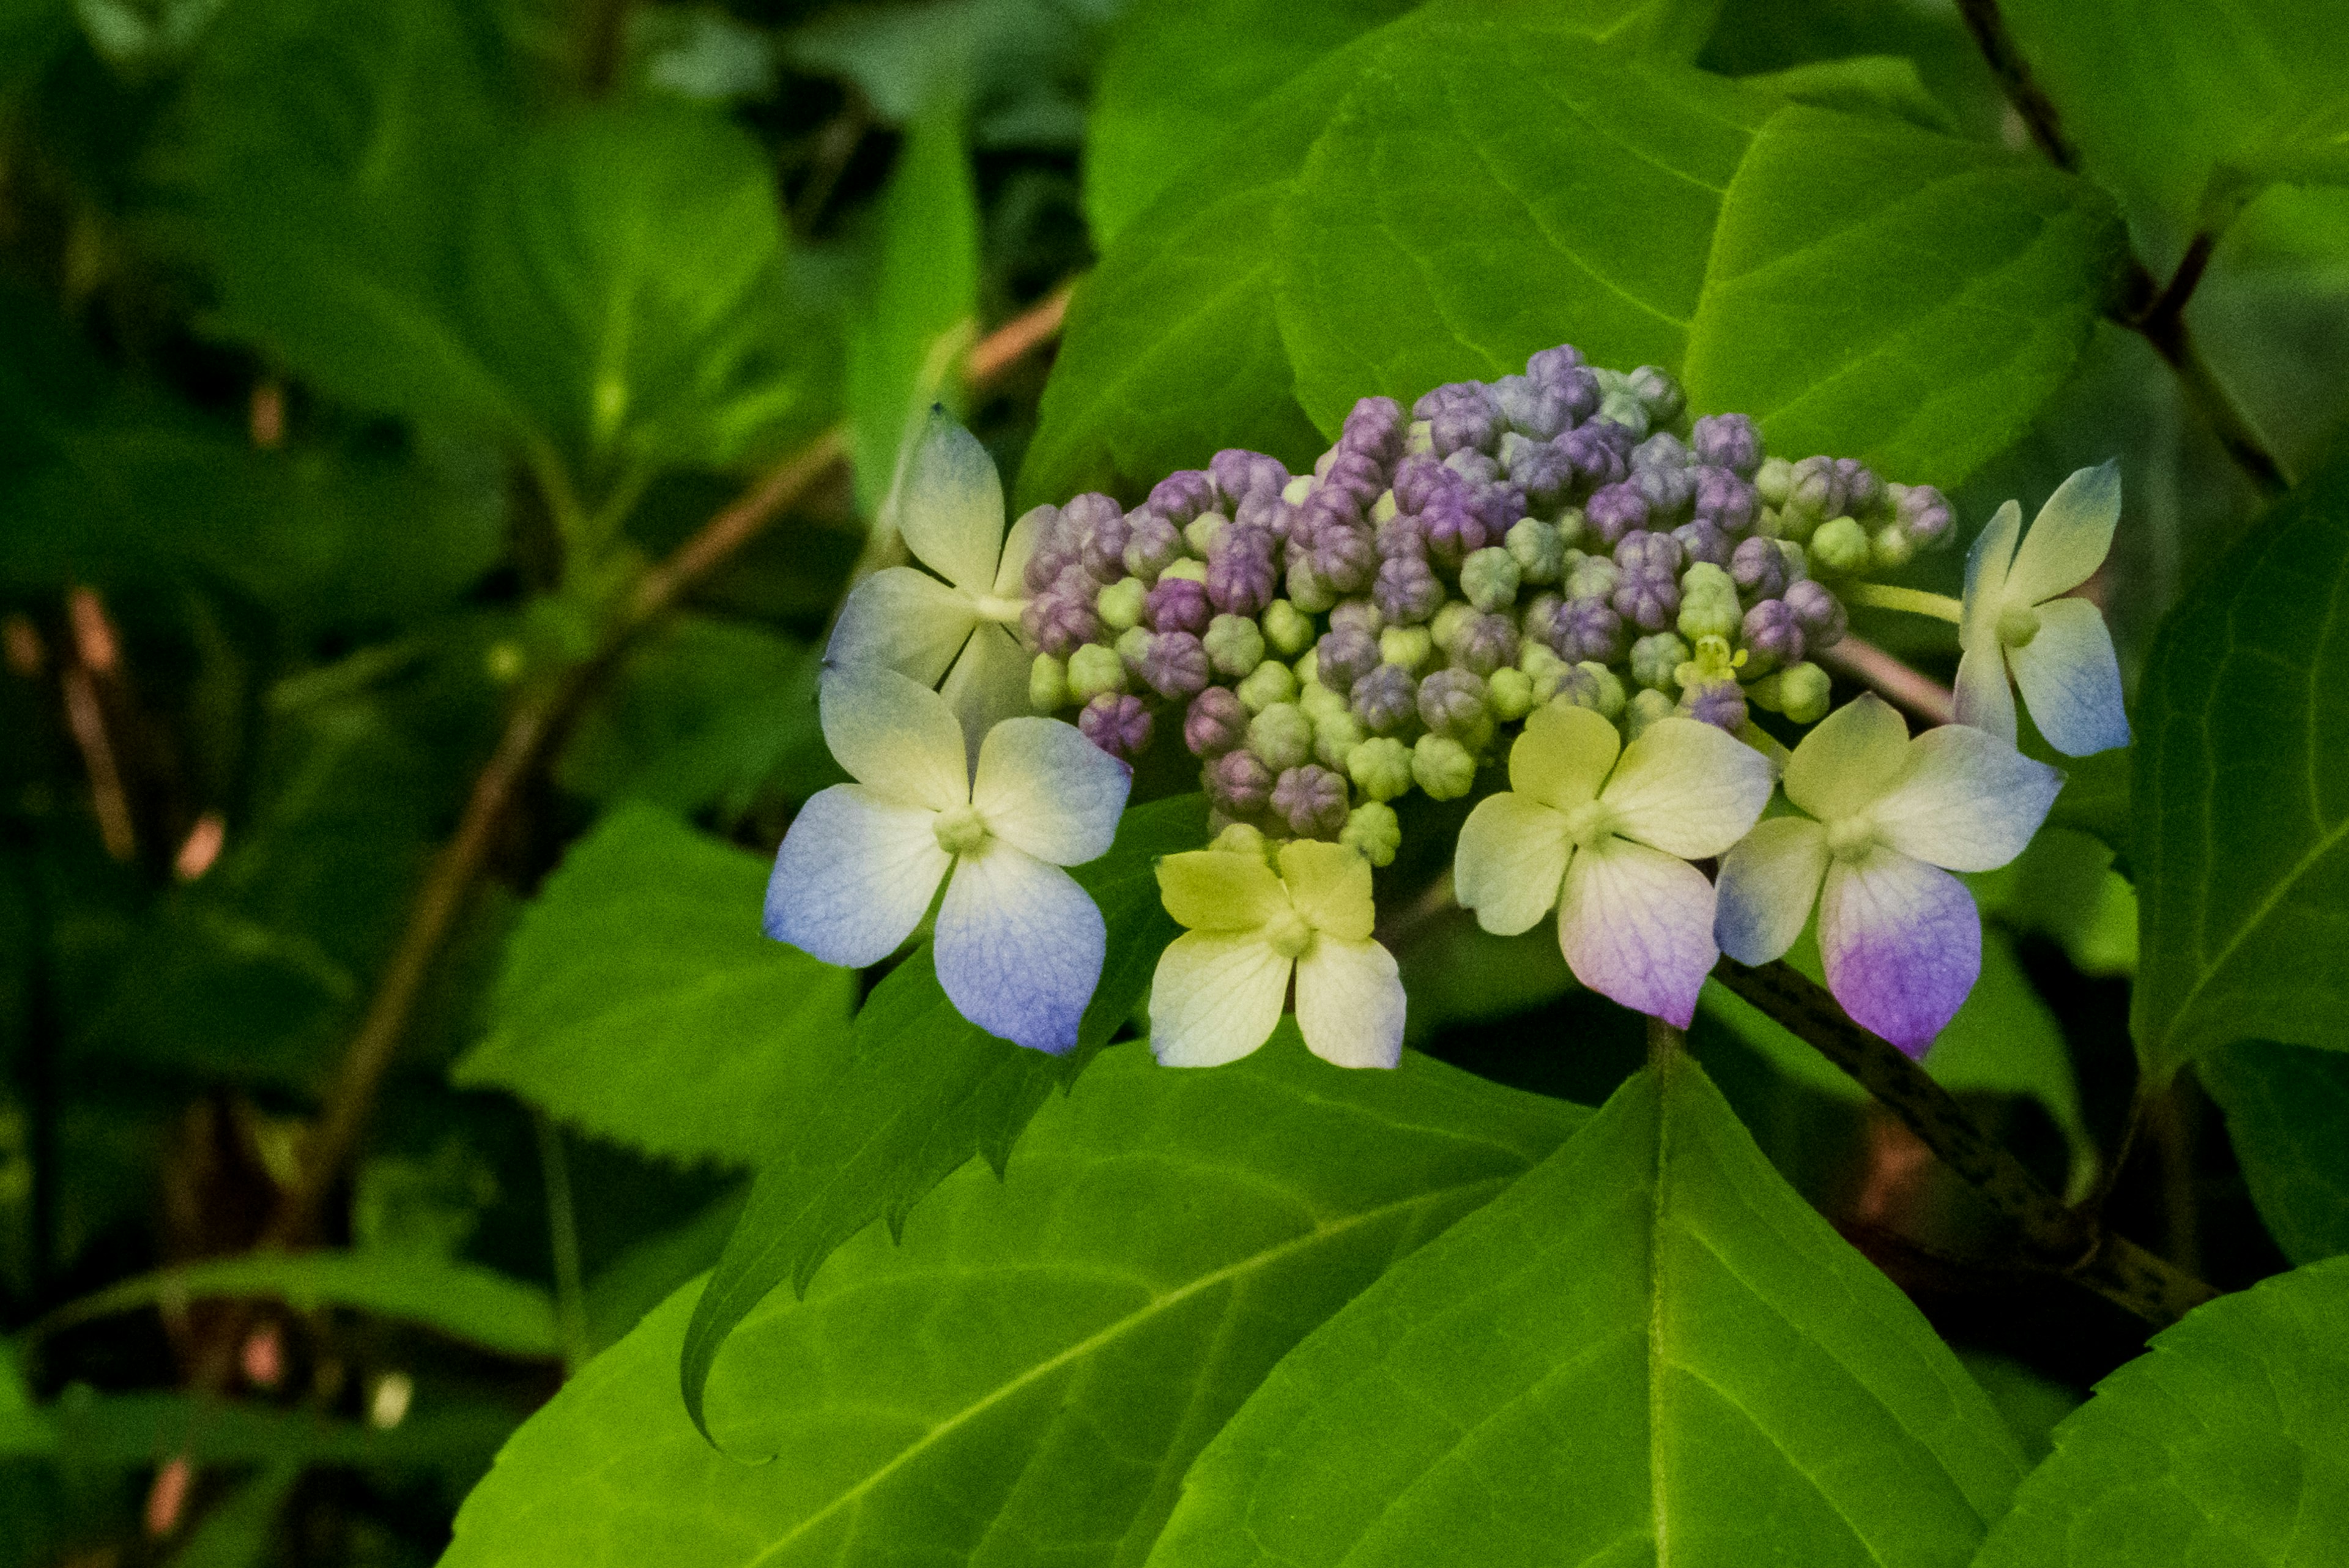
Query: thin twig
(1899, 683)
(2014, 80)
(562, 1241)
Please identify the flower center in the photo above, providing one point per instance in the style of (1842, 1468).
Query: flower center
(996, 607)
(1590, 823)
(1850, 837)
(960, 831)
(1288, 935)
(2018, 625)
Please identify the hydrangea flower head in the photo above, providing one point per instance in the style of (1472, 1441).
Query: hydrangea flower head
(1887, 819)
(1219, 987)
(1019, 944)
(2016, 619)
(1605, 833)
(962, 629)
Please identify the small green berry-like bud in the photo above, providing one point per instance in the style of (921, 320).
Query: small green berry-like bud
(1645, 708)
(1571, 526)
(1372, 831)
(1655, 658)
(1708, 605)
(1186, 568)
(1234, 645)
(1267, 683)
(1095, 670)
(1384, 508)
(1318, 701)
(1442, 767)
(1048, 684)
(1773, 481)
(1281, 736)
(1591, 685)
(1335, 736)
(1840, 544)
(1541, 667)
(1489, 578)
(1448, 622)
(1287, 629)
(1239, 838)
(1380, 768)
(1309, 668)
(1894, 545)
(1309, 593)
(1120, 604)
(1408, 646)
(1509, 693)
(1133, 646)
(1201, 533)
(1803, 690)
(1538, 551)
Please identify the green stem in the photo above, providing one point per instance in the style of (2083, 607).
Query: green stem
(1915, 601)
(562, 1235)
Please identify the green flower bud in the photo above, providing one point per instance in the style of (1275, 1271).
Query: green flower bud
(1489, 578)
(1267, 683)
(1408, 646)
(1571, 526)
(1048, 684)
(1319, 702)
(1093, 669)
(1309, 591)
(1383, 508)
(1200, 534)
(1186, 568)
(1239, 838)
(1592, 685)
(1120, 604)
(1839, 544)
(1893, 546)
(1708, 605)
(1380, 768)
(1774, 481)
(1654, 657)
(1509, 693)
(1372, 831)
(1645, 708)
(1541, 667)
(1540, 552)
(1287, 629)
(1800, 692)
(1281, 736)
(1309, 668)
(1442, 767)
(1335, 736)
(1234, 645)
(1133, 645)
(1448, 622)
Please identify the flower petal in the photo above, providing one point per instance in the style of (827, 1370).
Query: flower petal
(1902, 942)
(989, 683)
(1970, 802)
(1986, 568)
(1984, 698)
(1216, 997)
(905, 620)
(1044, 787)
(951, 509)
(1217, 890)
(854, 876)
(1688, 788)
(2070, 537)
(1329, 885)
(1350, 1003)
(1853, 756)
(1769, 884)
(1563, 756)
(1636, 924)
(1019, 946)
(894, 736)
(2071, 680)
(1509, 862)
(1019, 549)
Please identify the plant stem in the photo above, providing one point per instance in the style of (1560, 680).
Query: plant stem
(1905, 686)
(2055, 1239)
(1915, 601)
(562, 1241)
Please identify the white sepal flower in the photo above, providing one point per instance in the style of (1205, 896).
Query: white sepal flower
(1888, 818)
(2016, 618)
(965, 629)
(1605, 833)
(1219, 988)
(1019, 944)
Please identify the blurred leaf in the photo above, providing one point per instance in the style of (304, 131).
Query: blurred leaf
(2286, 1106)
(2032, 1405)
(240, 1532)
(23, 1428)
(2064, 887)
(700, 52)
(908, 1096)
(1018, 65)
(649, 1272)
(1649, 1338)
(131, 1429)
(2241, 848)
(463, 1300)
(906, 346)
(1861, 84)
(2223, 1443)
(2096, 795)
(1459, 974)
(1086, 1325)
(640, 1002)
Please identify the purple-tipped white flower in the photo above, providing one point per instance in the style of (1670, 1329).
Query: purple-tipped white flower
(1018, 945)
(2016, 619)
(1888, 819)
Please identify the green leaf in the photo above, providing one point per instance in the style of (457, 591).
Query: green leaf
(640, 1002)
(1649, 1338)
(2241, 841)
(23, 1428)
(916, 1089)
(129, 1430)
(240, 1533)
(1907, 298)
(2286, 1106)
(1861, 84)
(2033, 1405)
(2227, 1441)
(649, 1272)
(1083, 1326)
(463, 1300)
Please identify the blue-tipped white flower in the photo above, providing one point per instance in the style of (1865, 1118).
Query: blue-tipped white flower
(1019, 944)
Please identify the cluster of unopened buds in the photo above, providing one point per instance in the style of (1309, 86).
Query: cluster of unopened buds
(1549, 590)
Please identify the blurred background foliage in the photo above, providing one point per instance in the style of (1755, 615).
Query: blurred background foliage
(357, 364)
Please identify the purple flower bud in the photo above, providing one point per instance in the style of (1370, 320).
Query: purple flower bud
(1652, 387)
(1550, 364)
(1103, 550)
(1344, 558)
(1703, 542)
(1174, 664)
(1760, 569)
(1923, 510)
(1418, 480)
(1725, 501)
(1330, 506)
(1656, 555)
(1118, 723)
(1539, 468)
(1060, 620)
(1153, 544)
(1055, 549)
(1467, 420)
(1358, 475)
(1819, 611)
(1454, 530)
(1436, 398)
(1183, 495)
(1531, 409)
(1240, 577)
(1615, 511)
(1177, 604)
(1385, 699)
(1311, 800)
(1662, 449)
(1728, 440)
(1402, 536)
(1357, 615)
(1265, 509)
(1540, 620)
(1239, 473)
(1343, 657)
(1648, 598)
(1452, 702)
(1498, 507)
(1374, 427)
(1815, 489)
(1238, 782)
(1721, 703)
(1079, 514)
(1215, 722)
(1863, 491)
(1667, 491)
(1772, 631)
(1485, 642)
(1601, 452)
(1479, 468)
(1408, 591)
(1588, 629)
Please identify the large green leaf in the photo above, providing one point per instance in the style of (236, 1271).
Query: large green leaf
(899, 1103)
(2227, 1442)
(2240, 845)
(1908, 298)
(1026, 1378)
(2287, 1114)
(1648, 1349)
(640, 1001)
